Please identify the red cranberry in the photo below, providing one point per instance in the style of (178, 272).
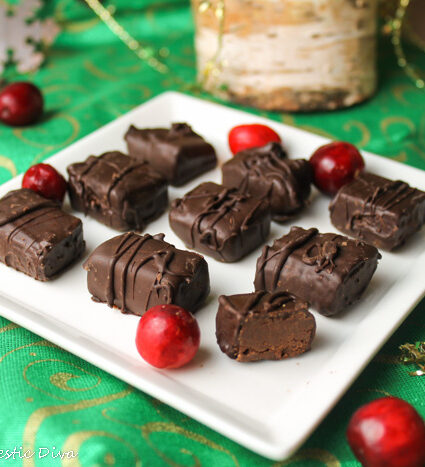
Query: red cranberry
(167, 336)
(20, 104)
(334, 165)
(45, 180)
(251, 136)
(387, 432)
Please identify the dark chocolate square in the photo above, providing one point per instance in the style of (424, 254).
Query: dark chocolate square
(328, 270)
(178, 153)
(266, 172)
(382, 212)
(36, 236)
(134, 273)
(220, 222)
(117, 190)
(264, 326)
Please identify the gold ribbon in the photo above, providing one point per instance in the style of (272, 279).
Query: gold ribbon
(145, 53)
(395, 25)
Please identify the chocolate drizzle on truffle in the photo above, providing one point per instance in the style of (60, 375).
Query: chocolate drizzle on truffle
(216, 208)
(36, 236)
(135, 272)
(219, 221)
(321, 255)
(281, 250)
(266, 172)
(117, 191)
(328, 270)
(380, 211)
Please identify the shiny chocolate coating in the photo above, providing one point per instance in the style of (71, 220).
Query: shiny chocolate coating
(134, 273)
(382, 212)
(36, 236)
(117, 191)
(328, 270)
(264, 326)
(266, 172)
(220, 222)
(178, 153)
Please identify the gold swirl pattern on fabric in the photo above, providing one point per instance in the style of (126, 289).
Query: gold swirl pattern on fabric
(8, 327)
(387, 127)
(321, 455)
(21, 133)
(37, 418)
(62, 100)
(386, 123)
(147, 92)
(60, 379)
(9, 165)
(76, 440)
(401, 90)
(363, 130)
(97, 72)
(73, 27)
(42, 343)
(170, 427)
(24, 135)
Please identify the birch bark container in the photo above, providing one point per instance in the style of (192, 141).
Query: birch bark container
(293, 55)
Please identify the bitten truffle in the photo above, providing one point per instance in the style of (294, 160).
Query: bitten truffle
(178, 153)
(381, 212)
(328, 270)
(220, 222)
(266, 172)
(36, 236)
(117, 191)
(134, 273)
(264, 326)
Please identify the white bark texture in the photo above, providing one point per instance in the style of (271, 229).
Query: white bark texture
(293, 55)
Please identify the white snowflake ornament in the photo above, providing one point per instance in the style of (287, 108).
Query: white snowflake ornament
(21, 34)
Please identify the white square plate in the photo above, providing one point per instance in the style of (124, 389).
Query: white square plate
(269, 407)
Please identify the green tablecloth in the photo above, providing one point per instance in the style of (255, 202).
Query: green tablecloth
(50, 398)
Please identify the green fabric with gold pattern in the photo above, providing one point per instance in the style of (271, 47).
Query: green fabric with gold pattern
(50, 398)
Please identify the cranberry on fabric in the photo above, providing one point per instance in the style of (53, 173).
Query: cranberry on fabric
(46, 181)
(167, 336)
(334, 165)
(387, 432)
(243, 137)
(20, 104)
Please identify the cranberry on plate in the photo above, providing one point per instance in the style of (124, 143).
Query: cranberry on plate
(243, 137)
(387, 432)
(167, 336)
(46, 181)
(20, 104)
(334, 165)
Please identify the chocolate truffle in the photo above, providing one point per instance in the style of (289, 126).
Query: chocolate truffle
(117, 190)
(178, 153)
(328, 270)
(381, 212)
(220, 222)
(36, 236)
(134, 273)
(266, 172)
(264, 326)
